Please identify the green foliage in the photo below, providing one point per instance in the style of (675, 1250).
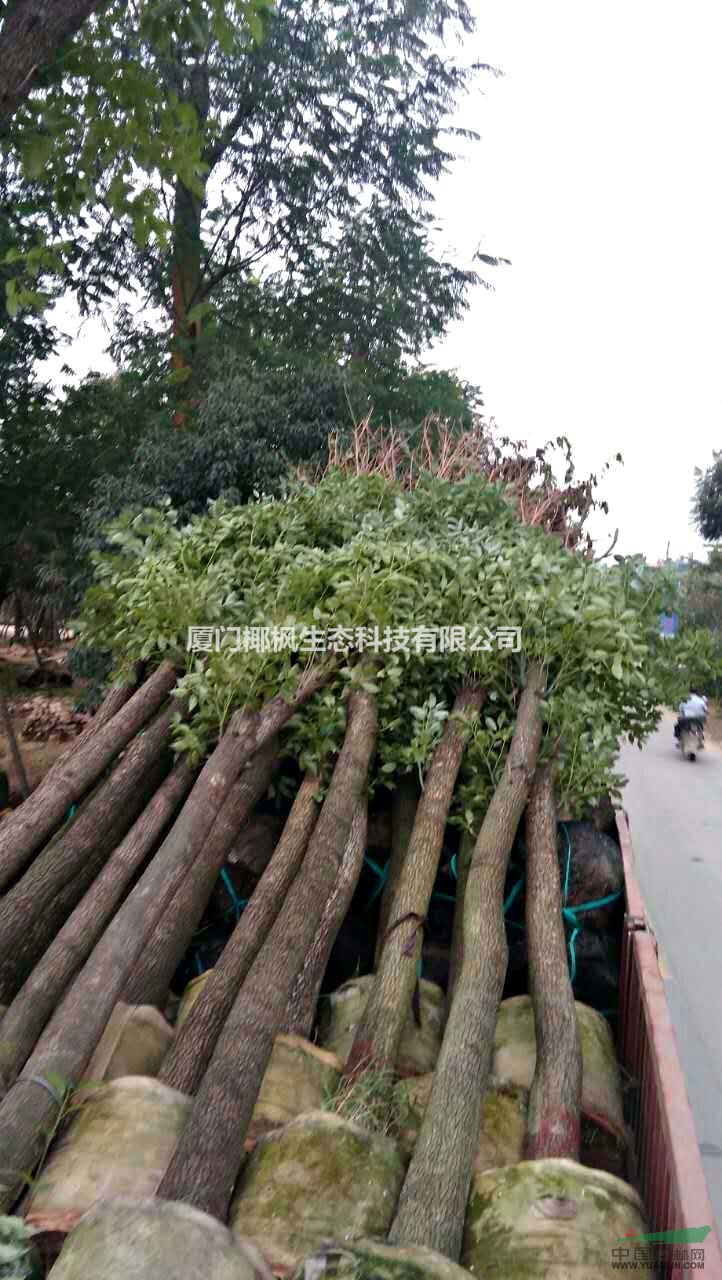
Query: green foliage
(176, 152)
(262, 414)
(707, 501)
(50, 454)
(694, 658)
(700, 597)
(18, 1260)
(357, 551)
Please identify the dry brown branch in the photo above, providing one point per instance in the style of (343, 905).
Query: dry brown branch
(441, 450)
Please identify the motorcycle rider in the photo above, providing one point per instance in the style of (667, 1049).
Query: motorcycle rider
(693, 708)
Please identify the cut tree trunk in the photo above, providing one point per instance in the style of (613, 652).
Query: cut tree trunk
(301, 1012)
(378, 1036)
(434, 1196)
(206, 1162)
(174, 931)
(30, 1109)
(38, 905)
(466, 848)
(403, 814)
(28, 828)
(193, 1044)
(6, 721)
(42, 992)
(553, 1126)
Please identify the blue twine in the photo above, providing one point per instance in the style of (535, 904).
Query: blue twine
(382, 873)
(570, 913)
(237, 903)
(452, 865)
(513, 895)
(444, 897)
(72, 811)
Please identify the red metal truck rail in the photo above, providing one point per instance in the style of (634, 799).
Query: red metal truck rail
(668, 1165)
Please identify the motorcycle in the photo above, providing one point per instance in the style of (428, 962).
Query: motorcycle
(691, 738)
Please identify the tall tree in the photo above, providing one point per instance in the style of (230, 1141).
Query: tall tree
(306, 156)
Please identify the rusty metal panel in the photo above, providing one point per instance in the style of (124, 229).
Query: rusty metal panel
(667, 1164)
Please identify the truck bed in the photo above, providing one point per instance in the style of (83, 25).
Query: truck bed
(666, 1160)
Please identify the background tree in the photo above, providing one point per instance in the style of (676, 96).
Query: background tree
(307, 155)
(707, 501)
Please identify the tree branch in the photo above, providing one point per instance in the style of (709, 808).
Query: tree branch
(31, 33)
(609, 550)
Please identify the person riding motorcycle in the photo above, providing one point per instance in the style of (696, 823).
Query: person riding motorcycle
(693, 708)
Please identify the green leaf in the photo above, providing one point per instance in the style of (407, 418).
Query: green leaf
(36, 155)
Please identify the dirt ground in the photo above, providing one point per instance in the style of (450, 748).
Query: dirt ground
(38, 755)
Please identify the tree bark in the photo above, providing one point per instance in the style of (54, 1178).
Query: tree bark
(187, 254)
(378, 1036)
(301, 1011)
(67, 1044)
(193, 1044)
(28, 828)
(434, 1196)
(553, 1126)
(207, 1159)
(17, 759)
(466, 848)
(37, 906)
(32, 32)
(173, 933)
(403, 814)
(32, 1007)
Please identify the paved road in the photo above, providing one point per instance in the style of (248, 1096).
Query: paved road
(675, 815)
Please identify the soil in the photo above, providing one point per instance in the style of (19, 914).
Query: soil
(40, 751)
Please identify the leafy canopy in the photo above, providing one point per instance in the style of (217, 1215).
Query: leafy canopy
(359, 551)
(707, 501)
(181, 153)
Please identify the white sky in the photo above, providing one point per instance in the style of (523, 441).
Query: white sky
(598, 175)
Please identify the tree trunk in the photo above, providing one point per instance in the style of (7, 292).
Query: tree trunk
(251, 729)
(18, 764)
(27, 830)
(70, 1038)
(553, 1127)
(32, 32)
(378, 1036)
(301, 1012)
(466, 848)
(32, 1007)
(187, 255)
(207, 1159)
(174, 931)
(38, 905)
(186, 276)
(403, 814)
(433, 1200)
(193, 1044)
